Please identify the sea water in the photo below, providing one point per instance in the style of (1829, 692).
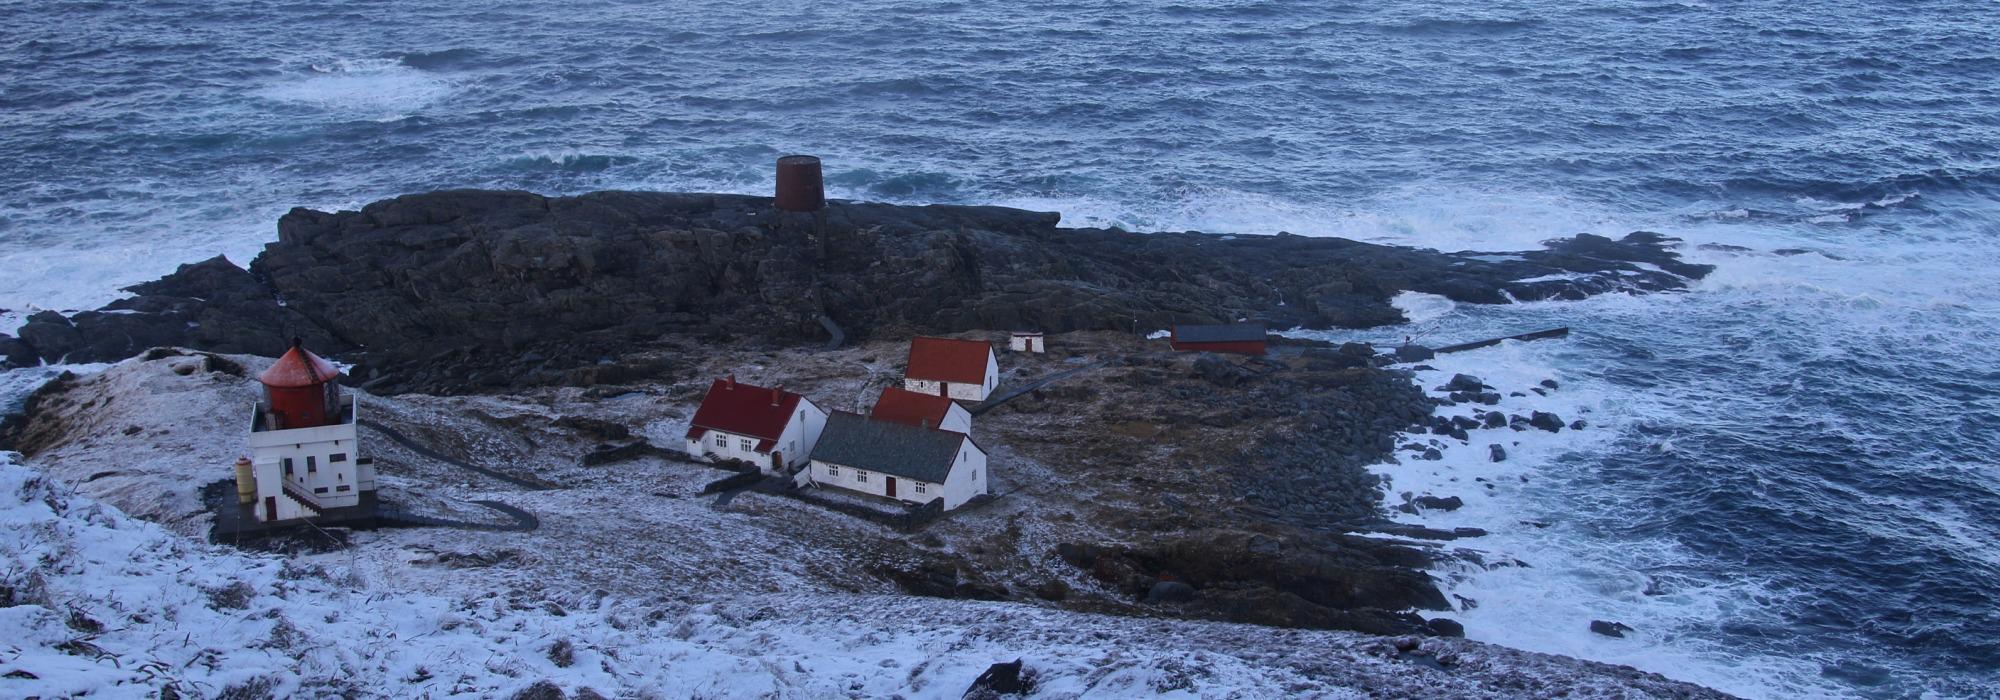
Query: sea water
(1786, 483)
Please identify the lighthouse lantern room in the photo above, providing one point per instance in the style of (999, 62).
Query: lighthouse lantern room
(304, 460)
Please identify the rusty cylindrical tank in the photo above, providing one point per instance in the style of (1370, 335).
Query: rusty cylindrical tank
(301, 391)
(246, 481)
(799, 185)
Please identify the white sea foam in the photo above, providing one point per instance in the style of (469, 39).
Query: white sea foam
(379, 88)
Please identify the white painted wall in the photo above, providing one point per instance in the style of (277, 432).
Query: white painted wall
(956, 419)
(959, 391)
(1027, 343)
(801, 434)
(966, 479)
(331, 483)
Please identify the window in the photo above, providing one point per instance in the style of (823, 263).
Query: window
(721, 441)
(802, 414)
(744, 444)
(288, 466)
(336, 457)
(920, 487)
(312, 464)
(321, 489)
(975, 476)
(343, 488)
(832, 470)
(860, 477)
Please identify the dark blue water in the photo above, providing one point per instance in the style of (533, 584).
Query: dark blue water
(1802, 448)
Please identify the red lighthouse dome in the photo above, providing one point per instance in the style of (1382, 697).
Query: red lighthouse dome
(300, 390)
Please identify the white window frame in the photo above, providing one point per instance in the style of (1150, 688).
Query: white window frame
(919, 486)
(745, 444)
(721, 440)
(832, 471)
(860, 477)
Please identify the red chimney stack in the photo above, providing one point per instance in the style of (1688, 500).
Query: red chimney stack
(777, 394)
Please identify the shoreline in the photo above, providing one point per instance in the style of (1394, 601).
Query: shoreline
(1135, 446)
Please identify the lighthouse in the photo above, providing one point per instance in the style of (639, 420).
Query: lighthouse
(305, 461)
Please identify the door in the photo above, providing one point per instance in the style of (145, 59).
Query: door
(777, 461)
(270, 508)
(890, 483)
(944, 389)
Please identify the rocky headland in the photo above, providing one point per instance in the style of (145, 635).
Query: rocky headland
(567, 340)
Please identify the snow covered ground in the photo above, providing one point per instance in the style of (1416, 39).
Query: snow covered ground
(631, 587)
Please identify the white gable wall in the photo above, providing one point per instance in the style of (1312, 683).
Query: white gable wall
(325, 465)
(794, 444)
(960, 391)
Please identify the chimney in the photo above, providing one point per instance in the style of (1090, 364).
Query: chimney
(777, 394)
(799, 185)
(924, 423)
(731, 383)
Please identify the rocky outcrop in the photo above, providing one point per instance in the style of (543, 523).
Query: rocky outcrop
(459, 290)
(1308, 580)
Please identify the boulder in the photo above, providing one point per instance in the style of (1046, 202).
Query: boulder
(1447, 503)
(1546, 421)
(1465, 383)
(1445, 627)
(1001, 680)
(1496, 453)
(1609, 629)
(1413, 353)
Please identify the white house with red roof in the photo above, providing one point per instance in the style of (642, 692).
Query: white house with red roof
(771, 428)
(305, 458)
(961, 370)
(898, 405)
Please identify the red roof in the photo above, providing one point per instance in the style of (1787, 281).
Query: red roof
(898, 405)
(298, 367)
(949, 360)
(741, 409)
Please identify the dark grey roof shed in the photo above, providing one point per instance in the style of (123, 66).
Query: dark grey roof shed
(908, 451)
(1227, 333)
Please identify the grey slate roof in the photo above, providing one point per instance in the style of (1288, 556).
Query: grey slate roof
(1230, 333)
(908, 451)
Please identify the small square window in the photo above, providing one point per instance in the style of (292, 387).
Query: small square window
(321, 489)
(832, 470)
(745, 445)
(343, 488)
(288, 466)
(920, 488)
(336, 457)
(860, 477)
(312, 464)
(721, 441)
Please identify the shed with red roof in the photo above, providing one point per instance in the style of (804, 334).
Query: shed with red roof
(898, 405)
(769, 427)
(1239, 338)
(961, 370)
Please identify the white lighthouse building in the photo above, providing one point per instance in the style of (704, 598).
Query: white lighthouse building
(305, 461)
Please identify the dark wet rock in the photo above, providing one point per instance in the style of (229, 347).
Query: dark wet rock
(1495, 419)
(1170, 592)
(463, 290)
(1053, 590)
(1578, 424)
(562, 653)
(1464, 422)
(1423, 503)
(1609, 629)
(1551, 383)
(14, 353)
(1546, 421)
(1496, 453)
(1488, 398)
(1001, 680)
(1465, 383)
(1413, 353)
(1445, 627)
(1431, 454)
(1518, 422)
